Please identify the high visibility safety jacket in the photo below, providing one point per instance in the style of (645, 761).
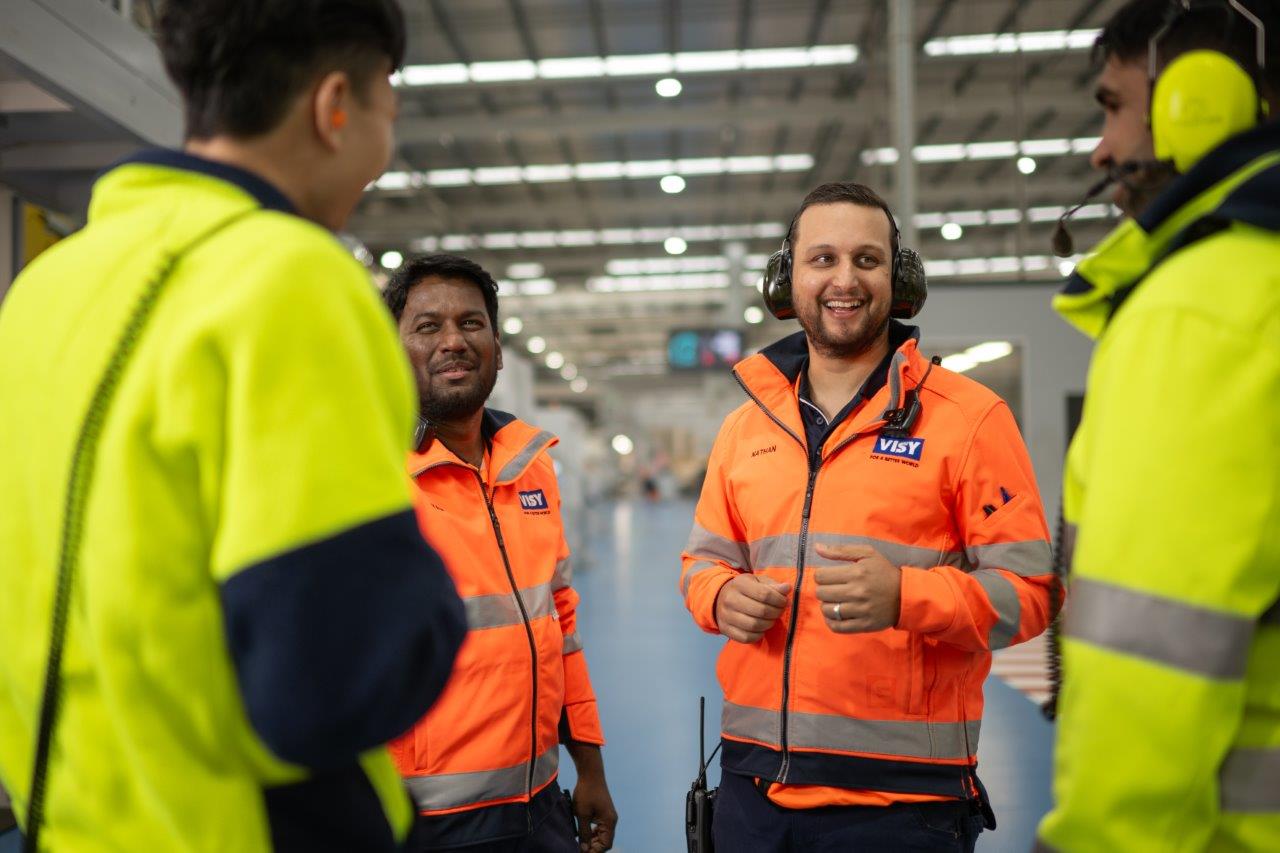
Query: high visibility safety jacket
(254, 610)
(955, 505)
(520, 683)
(1169, 718)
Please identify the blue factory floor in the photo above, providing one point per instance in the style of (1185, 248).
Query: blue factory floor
(649, 664)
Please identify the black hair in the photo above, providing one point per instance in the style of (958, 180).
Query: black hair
(845, 192)
(240, 63)
(414, 270)
(1207, 25)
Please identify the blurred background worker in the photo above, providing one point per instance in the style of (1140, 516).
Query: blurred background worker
(244, 606)
(868, 532)
(482, 765)
(1169, 720)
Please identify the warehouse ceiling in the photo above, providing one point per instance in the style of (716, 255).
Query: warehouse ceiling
(533, 137)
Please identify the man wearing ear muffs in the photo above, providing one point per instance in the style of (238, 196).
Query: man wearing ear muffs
(1169, 716)
(869, 531)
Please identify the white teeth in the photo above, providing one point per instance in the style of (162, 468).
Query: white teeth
(853, 303)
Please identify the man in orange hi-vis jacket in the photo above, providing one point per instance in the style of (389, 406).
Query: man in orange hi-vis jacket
(481, 766)
(869, 531)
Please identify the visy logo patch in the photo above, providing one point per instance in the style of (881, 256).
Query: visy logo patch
(903, 448)
(533, 500)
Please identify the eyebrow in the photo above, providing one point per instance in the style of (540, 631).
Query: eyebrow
(427, 315)
(828, 247)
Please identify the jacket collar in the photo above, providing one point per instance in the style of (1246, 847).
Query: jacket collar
(513, 446)
(770, 378)
(264, 193)
(1237, 182)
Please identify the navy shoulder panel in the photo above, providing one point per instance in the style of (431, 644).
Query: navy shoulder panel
(343, 644)
(332, 812)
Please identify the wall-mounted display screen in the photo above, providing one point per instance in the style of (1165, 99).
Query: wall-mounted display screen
(704, 349)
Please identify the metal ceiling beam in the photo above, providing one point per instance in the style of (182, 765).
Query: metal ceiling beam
(753, 113)
(691, 208)
(86, 55)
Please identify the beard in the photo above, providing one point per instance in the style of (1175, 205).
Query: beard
(843, 341)
(443, 403)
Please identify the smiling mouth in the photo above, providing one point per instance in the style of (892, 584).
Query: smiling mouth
(454, 370)
(843, 307)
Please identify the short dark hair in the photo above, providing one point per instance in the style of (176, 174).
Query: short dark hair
(1213, 26)
(414, 270)
(845, 192)
(240, 63)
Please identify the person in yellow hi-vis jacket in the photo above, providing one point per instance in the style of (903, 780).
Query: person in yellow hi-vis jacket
(215, 604)
(1169, 716)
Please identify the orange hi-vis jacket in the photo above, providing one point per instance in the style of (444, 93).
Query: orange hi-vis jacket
(894, 712)
(520, 682)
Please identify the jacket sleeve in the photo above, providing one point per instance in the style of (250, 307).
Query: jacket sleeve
(1001, 597)
(341, 622)
(580, 717)
(1173, 573)
(717, 548)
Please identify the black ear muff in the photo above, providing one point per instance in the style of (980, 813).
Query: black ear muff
(777, 284)
(909, 285)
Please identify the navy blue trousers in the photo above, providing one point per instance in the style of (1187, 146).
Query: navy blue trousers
(746, 821)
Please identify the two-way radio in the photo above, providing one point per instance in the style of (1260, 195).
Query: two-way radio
(699, 803)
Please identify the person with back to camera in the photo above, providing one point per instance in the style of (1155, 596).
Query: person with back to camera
(217, 606)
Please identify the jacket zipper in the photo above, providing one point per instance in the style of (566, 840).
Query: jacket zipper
(795, 593)
(815, 465)
(533, 648)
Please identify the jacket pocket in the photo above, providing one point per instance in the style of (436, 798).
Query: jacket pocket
(917, 678)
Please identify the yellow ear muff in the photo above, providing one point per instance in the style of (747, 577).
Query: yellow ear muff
(1201, 99)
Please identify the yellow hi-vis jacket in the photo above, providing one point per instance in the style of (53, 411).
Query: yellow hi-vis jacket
(1169, 719)
(254, 610)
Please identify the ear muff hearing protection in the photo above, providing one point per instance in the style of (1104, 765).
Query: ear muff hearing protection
(1203, 97)
(909, 285)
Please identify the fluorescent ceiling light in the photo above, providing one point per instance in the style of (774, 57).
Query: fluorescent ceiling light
(990, 266)
(959, 362)
(525, 270)
(717, 233)
(1002, 149)
(528, 287)
(626, 65)
(598, 171)
(995, 43)
(989, 351)
(674, 281)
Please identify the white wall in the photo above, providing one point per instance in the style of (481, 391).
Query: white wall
(1055, 360)
(513, 391)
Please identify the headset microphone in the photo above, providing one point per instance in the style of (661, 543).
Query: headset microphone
(1063, 244)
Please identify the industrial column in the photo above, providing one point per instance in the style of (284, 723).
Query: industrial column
(902, 85)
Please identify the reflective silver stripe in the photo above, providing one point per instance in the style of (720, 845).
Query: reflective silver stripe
(562, 576)
(1027, 559)
(501, 609)
(1004, 598)
(451, 790)
(522, 459)
(572, 643)
(1209, 643)
(849, 734)
(1250, 780)
(895, 382)
(780, 551)
(705, 545)
(700, 566)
